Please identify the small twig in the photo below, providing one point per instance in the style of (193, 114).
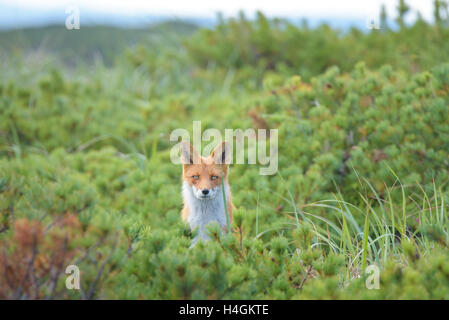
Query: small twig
(55, 278)
(241, 238)
(306, 277)
(29, 267)
(10, 284)
(86, 254)
(93, 286)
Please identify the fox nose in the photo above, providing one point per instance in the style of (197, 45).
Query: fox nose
(205, 191)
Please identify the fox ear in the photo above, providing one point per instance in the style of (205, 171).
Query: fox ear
(188, 154)
(222, 154)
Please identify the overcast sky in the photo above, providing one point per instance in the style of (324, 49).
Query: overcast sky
(288, 8)
(339, 13)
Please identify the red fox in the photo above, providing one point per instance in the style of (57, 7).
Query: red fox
(202, 188)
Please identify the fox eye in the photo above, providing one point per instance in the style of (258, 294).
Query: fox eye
(196, 177)
(213, 177)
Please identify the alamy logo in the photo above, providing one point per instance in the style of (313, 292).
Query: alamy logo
(372, 22)
(73, 20)
(372, 281)
(256, 145)
(73, 280)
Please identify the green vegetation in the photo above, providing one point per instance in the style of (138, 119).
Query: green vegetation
(86, 177)
(283, 47)
(88, 43)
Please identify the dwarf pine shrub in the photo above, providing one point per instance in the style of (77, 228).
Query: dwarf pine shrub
(86, 177)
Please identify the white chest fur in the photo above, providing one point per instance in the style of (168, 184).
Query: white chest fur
(204, 211)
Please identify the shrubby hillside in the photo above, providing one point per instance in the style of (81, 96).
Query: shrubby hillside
(86, 177)
(89, 43)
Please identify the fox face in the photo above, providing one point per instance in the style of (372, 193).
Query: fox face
(204, 179)
(204, 174)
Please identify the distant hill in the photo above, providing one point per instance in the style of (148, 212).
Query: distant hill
(89, 41)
